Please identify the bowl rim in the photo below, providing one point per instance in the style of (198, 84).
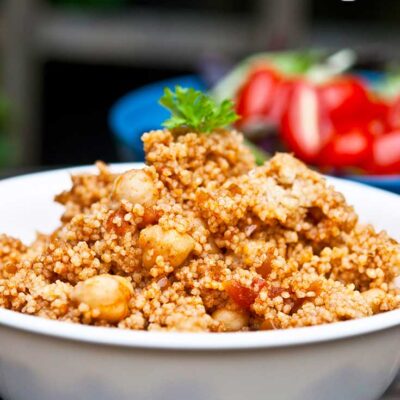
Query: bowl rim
(195, 341)
(189, 341)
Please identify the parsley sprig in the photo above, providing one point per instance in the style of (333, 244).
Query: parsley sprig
(195, 110)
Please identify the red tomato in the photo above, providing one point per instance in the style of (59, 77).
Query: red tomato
(379, 109)
(393, 117)
(241, 295)
(375, 119)
(303, 127)
(257, 95)
(385, 155)
(347, 149)
(344, 98)
(281, 101)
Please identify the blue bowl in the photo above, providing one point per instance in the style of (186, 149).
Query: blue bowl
(386, 182)
(139, 112)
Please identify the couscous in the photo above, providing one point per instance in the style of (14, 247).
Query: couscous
(201, 239)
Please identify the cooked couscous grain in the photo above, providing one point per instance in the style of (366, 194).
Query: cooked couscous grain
(203, 240)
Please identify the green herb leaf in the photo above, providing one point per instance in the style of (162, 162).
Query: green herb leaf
(195, 110)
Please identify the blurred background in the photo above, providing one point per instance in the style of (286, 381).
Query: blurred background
(64, 63)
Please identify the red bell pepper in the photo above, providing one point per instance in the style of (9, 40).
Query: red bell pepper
(304, 128)
(385, 154)
(376, 117)
(373, 121)
(281, 100)
(393, 116)
(257, 95)
(352, 148)
(344, 98)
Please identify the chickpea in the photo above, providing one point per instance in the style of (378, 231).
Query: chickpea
(107, 296)
(173, 246)
(136, 186)
(231, 320)
(374, 298)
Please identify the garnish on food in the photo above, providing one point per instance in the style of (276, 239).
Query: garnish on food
(195, 110)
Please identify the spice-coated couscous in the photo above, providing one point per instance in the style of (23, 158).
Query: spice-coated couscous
(202, 240)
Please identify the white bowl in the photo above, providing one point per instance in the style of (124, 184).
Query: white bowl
(51, 360)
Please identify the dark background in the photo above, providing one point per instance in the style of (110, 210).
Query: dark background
(76, 100)
(59, 114)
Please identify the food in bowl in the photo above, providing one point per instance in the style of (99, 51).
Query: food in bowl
(202, 240)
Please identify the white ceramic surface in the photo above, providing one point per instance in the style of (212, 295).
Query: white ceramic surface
(50, 360)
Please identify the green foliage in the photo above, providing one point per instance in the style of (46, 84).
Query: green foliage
(195, 110)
